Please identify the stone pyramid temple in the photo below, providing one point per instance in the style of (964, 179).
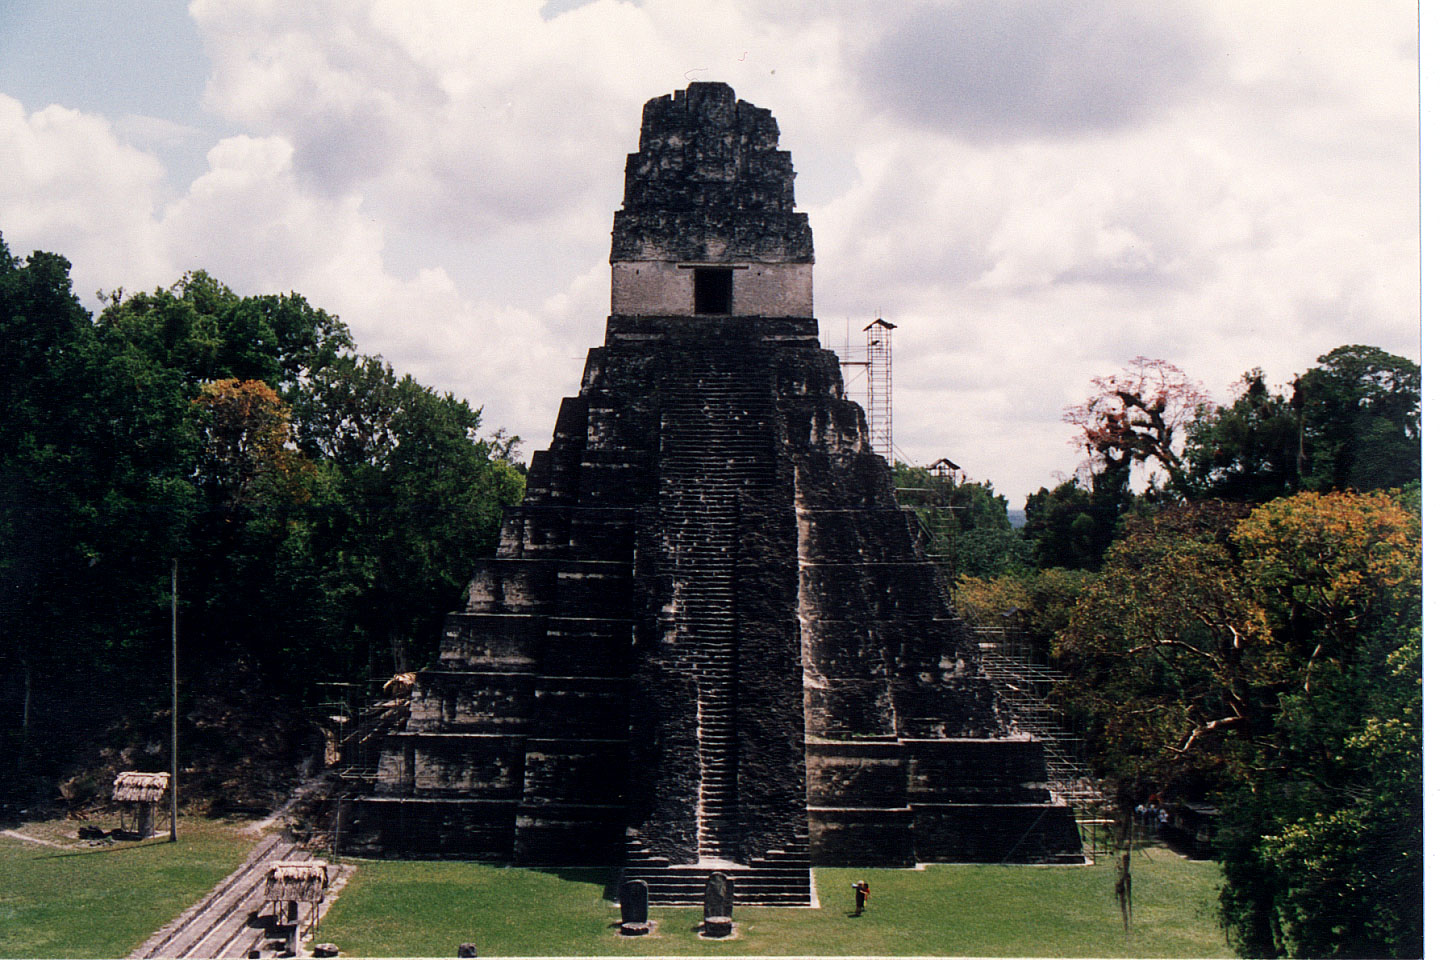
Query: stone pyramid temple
(708, 640)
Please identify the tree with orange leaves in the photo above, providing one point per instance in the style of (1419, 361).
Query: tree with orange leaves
(1265, 657)
(247, 439)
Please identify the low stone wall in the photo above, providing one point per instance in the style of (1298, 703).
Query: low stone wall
(429, 828)
(862, 837)
(895, 802)
(569, 834)
(996, 833)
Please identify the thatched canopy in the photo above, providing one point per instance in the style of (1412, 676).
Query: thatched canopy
(400, 685)
(133, 786)
(303, 881)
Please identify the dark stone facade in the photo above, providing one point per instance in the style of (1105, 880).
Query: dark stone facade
(707, 636)
(708, 184)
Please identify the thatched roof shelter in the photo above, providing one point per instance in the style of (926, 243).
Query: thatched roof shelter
(133, 786)
(400, 685)
(302, 881)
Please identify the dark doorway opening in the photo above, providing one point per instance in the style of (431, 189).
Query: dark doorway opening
(714, 289)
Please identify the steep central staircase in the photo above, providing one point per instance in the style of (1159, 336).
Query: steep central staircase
(715, 443)
(709, 451)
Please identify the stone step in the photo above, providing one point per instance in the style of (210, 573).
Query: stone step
(779, 878)
(717, 474)
(685, 886)
(721, 479)
(739, 465)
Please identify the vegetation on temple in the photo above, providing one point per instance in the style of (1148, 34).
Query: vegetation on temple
(965, 522)
(323, 512)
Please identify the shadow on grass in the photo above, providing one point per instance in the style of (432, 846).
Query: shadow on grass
(120, 846)
(608, 878)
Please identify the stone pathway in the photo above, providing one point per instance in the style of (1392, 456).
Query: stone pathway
(233, 920)
(20, 836)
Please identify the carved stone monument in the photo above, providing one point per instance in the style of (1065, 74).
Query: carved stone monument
(634, 908)
(719, 905)
(708, 639)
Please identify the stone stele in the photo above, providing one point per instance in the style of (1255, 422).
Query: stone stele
(708, 639)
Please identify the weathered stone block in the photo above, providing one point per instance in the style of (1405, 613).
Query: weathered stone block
(848, 535)
(576, 771)
(568, 834)
(862, 836)
(857, 774)
(471, 701)
(493, 642)
(511, 586)
(996, 833)
(579, 706)
(592, 589)
(586, 647)
(434, 828)
(988, 770)
(478, 765)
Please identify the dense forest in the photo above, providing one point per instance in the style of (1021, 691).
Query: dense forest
(320, 512)
(1243, 628)
(1232, 590)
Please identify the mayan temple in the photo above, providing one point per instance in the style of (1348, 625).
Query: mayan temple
(708, 640)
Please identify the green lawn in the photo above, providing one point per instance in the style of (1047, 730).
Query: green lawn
(98, 902)
(77, 901)
(412, 908)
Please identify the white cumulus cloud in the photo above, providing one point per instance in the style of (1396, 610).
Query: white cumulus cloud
(1035, 193)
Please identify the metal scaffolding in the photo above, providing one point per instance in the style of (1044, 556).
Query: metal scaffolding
(878, 407)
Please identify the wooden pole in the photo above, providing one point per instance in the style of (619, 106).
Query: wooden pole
(174, 695)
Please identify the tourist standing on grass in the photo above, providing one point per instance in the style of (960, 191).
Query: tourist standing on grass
(862, 893)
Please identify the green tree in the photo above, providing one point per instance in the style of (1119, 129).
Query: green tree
(1360, 420)
(93, 501)
(1349, 855)
(1248, 451)
(963, 521)
(192, 423)
(1321, 847)
(1072, 526)
(1137, 418)
(1166, 653)
(1254, 652)
(1350, 422)
(246, 444)
(200, 327)
(1034, 604)
(414, 495)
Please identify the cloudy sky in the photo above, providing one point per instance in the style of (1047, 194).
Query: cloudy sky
(1035, 192)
